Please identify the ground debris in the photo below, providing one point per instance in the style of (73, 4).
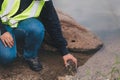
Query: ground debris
(67, 77)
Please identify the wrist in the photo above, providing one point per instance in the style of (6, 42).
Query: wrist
(63, 50)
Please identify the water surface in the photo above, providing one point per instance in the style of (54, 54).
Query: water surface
(100, 16)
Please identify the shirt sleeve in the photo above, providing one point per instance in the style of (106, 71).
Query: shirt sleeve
(52, 25)
(2, 28)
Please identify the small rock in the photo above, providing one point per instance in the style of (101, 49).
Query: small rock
(67, 77)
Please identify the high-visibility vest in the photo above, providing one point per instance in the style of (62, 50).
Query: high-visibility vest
(10, 7)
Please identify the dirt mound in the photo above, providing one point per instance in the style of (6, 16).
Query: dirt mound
(78, 37)
(53, 68)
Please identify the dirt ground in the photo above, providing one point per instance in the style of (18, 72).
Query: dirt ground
(52, 63)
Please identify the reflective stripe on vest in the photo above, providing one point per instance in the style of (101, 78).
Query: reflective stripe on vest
(32, 11)
(9, 8)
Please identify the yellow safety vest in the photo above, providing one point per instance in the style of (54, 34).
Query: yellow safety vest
(10, 7)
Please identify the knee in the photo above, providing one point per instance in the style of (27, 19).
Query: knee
(37, 30)
(32, 27)
(5, 58)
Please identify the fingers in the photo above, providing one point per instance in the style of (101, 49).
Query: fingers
(7, 39)
(68, 57)
(74, 60)
(9, 42)
(3, 41)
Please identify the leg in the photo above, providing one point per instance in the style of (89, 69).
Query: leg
(32, 31)
(7, 55)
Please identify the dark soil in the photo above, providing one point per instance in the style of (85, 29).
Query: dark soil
(51, 61)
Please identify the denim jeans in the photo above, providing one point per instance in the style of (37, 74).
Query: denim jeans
(31, 33)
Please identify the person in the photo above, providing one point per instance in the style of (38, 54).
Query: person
(18, 23)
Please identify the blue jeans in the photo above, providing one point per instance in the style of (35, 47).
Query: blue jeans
(31, 33)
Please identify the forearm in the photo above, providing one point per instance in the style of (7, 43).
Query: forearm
(50, 19)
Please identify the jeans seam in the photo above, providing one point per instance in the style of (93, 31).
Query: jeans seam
(25, 32)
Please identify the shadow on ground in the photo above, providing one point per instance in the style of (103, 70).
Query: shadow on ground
(52, 63)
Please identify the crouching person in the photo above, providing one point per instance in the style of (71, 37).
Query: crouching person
(21, 21)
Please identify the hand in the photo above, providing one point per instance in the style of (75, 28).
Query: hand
(7, 39)
(68, 57)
